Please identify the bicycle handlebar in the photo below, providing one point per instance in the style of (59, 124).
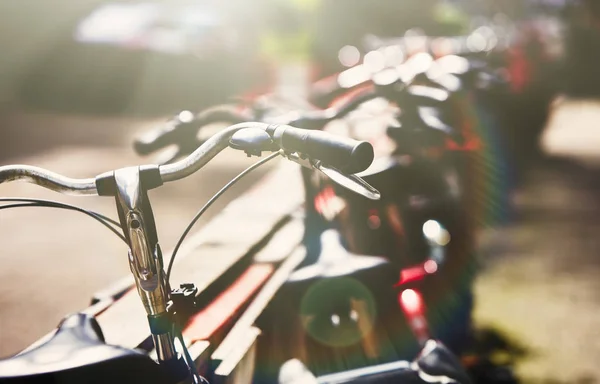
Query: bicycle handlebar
(135, 213)
(182, 132)
(48, 179)
(339, 152)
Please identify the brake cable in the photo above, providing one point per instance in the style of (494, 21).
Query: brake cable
(186, 355)
(27, 202)
(209, 203)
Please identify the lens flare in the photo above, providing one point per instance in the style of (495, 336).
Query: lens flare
(338, 312)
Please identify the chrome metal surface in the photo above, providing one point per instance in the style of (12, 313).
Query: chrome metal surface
(201, 156)
(48, 179)
(169, 172)
(128, 187)
(165, 348)
(351, 182)
(145, 260)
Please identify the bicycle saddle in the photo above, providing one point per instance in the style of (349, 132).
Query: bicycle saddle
(435, 364)
(399, 372)
(76, 353)
(335, 260)
(435, 360)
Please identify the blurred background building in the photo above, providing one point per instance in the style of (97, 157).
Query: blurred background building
(154, 57)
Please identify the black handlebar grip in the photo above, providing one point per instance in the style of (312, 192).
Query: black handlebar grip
(154, 139)
(184, 133)
(345, 154)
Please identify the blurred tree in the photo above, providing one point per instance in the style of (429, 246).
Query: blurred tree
(288, 31)
(346, 22)
(451, 17)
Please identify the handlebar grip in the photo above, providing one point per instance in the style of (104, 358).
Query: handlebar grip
(154, 139)
(345, 154)
(182, 133)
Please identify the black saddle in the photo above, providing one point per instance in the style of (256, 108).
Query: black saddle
(335, 260)
(435, 364)
(436, 361)
(76, 353)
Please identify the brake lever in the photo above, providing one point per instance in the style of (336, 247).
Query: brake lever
(350, 182)
(254, 141)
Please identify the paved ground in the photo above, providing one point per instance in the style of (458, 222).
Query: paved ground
(539, 285)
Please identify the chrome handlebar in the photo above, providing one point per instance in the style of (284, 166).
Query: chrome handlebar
(48, 179)
(343, 153)
(171, 172)
(201, 156)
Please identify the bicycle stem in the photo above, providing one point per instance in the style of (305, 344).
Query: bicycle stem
(145, 257)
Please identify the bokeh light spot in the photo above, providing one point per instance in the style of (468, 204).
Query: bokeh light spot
(339, 311)
(185, 116)
(349, 56)
(374, 61)
(430, 266)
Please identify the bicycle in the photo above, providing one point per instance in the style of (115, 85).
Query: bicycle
(80, 333)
